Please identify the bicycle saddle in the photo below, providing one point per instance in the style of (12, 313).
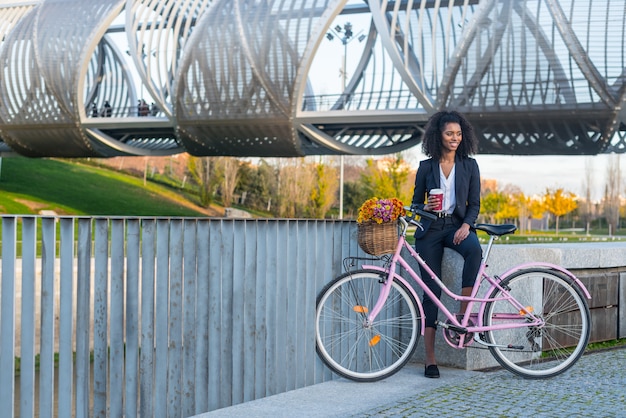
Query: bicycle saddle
(498, 230)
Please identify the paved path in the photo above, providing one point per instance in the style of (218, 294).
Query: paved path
(594, 387)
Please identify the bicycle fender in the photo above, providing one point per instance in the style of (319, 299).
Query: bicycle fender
(408, 286)
(550, 267)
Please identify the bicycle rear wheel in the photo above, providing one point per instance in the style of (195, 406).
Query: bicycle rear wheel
(539, 351)
(354, 348)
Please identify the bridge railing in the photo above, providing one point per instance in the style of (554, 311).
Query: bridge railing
(147, 110)
(160, 317)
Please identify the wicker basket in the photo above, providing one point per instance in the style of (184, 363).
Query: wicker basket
(378, 239)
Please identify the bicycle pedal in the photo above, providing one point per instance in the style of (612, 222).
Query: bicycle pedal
(454, 333)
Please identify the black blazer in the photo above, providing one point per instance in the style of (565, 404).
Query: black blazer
(466, 187)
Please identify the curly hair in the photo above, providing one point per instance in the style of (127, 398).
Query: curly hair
(431, 144)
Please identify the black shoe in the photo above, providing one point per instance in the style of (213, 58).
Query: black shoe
(431, 371)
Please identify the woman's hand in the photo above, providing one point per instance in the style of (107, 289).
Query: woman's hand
(460, 234)
(433, 203)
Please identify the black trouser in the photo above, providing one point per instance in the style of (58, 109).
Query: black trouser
(430, 247)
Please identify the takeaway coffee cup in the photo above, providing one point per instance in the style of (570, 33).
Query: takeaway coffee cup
(439, 194)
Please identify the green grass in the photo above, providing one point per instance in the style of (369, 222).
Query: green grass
(28, 186)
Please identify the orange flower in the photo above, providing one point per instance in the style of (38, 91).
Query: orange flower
(380, 210)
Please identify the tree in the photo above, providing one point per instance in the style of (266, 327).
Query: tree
(324, 191)
(611, 196)
(229, 168)
(388, 177)
(295, 182)
(203, 175)
(354, 194)
(559, 203)
(536, 209)
(492, 203)
(259, 184)
(586, 211)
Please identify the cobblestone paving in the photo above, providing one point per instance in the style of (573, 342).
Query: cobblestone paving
(594, 387)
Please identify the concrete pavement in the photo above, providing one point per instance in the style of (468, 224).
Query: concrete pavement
(595, 386)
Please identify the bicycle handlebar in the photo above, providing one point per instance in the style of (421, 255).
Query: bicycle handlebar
(420, 212)
(410, 219)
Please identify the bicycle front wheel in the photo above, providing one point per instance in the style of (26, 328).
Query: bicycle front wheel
(538, 351)
(348, 343)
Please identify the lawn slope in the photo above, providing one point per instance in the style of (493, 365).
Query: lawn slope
(29, 185)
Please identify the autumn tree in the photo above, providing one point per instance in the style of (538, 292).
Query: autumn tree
(536, 209)
(324, 190)
(559, 203)
(388, 177)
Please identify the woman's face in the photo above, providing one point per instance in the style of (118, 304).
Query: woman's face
(451, 136)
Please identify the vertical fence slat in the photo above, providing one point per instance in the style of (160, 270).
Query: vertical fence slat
(148, 240)
(131, 370)
(289, 325)
(189, 317)
(202, 317)
(46, 356)
(261, 334)
(250, 302)
(272, 295)
(315, 273)
(7, 321)
(27, 349)
(161, 318)
(116, 320)
(83, 316)
(215, 311)
(279, 299)
(235, 232)
(175, 341)
(66, 317)
(302, 315)
(100, 317)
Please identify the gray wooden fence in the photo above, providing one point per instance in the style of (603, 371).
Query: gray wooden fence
(160, 317)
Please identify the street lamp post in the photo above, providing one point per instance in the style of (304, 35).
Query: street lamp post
(346, 35)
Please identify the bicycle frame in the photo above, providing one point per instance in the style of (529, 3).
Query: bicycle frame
(526, 314)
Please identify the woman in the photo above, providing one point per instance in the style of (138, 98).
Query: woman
(449, 140)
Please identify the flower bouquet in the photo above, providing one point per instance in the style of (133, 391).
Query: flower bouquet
(377, 225)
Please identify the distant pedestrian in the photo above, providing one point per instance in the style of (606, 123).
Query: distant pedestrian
(142, 108)
(94, 110)
(107, 109)
(154, 110)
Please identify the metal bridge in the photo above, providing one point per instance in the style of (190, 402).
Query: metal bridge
(245, 77)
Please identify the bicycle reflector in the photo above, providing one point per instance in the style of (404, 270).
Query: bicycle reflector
(526, 310)
(360, 309)
(375, 340)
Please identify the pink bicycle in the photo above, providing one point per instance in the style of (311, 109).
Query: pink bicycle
(534, 318)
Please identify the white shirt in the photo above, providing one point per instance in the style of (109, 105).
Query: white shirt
(449, 195)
